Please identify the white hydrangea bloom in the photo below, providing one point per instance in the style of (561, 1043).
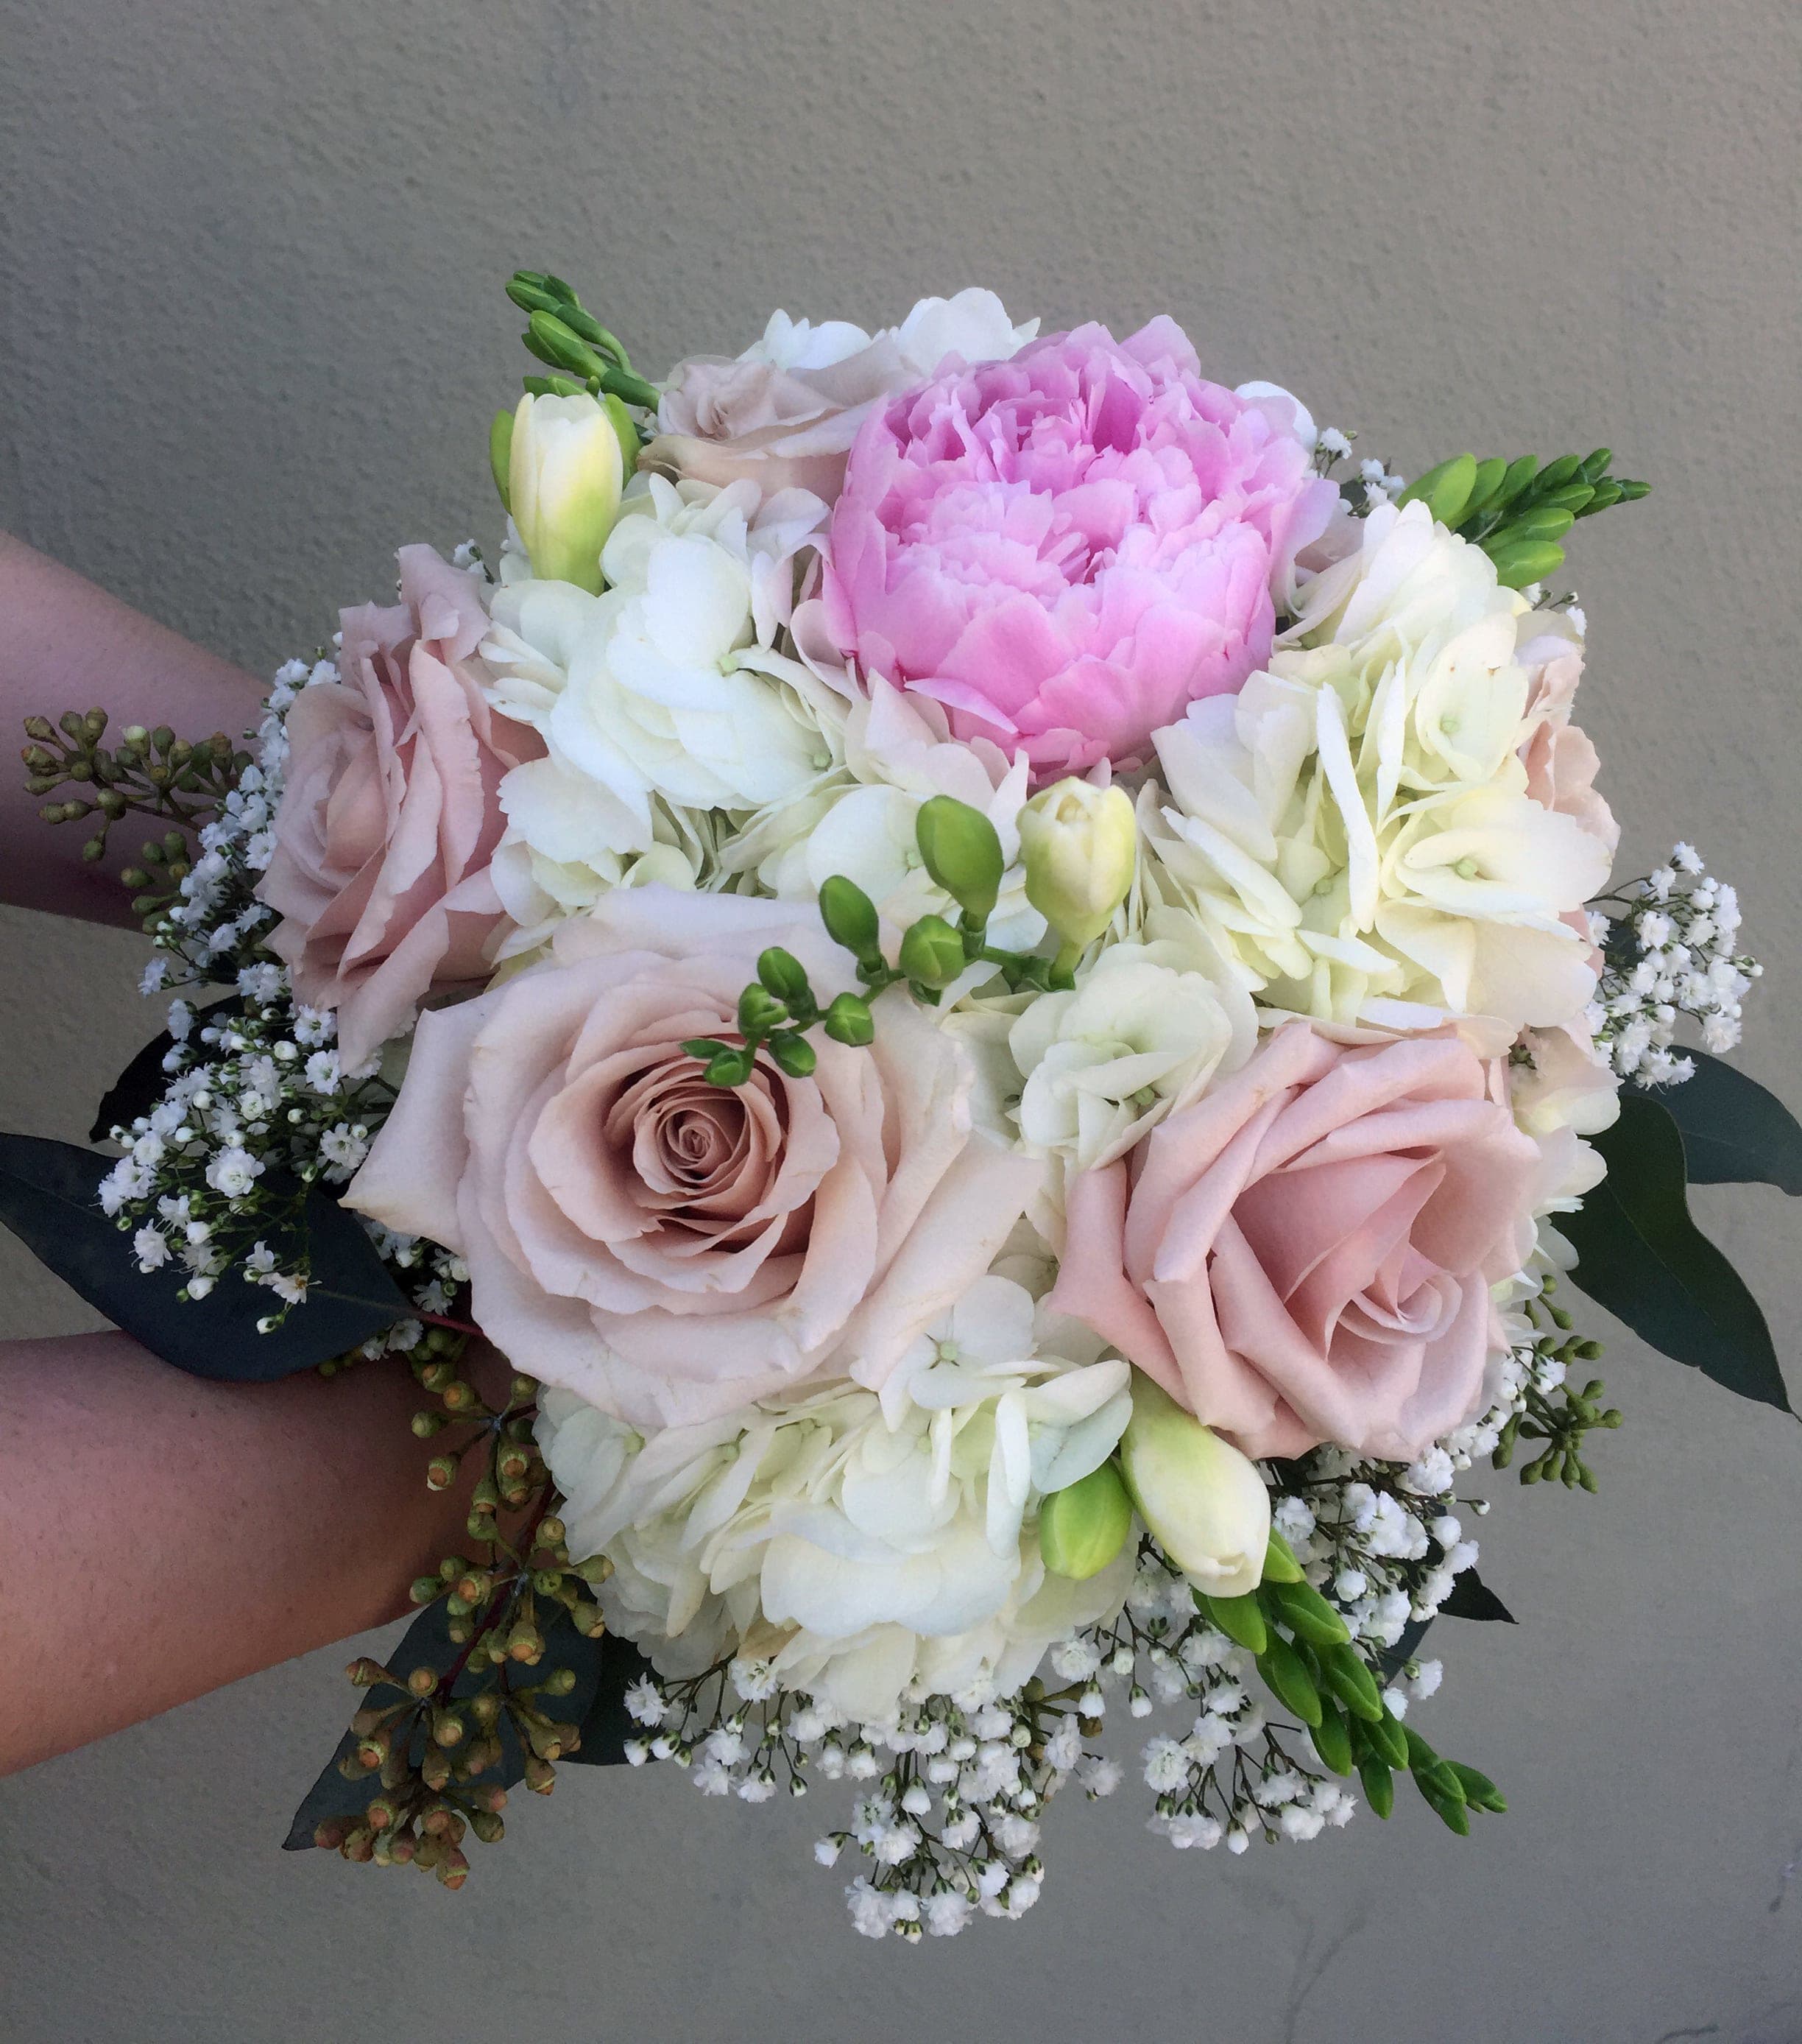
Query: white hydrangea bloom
(898, 753)
(1354, 827)
(1149, 1025)
(667, 685)
(867, 1547)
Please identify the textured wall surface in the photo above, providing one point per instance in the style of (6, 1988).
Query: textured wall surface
(250, 328)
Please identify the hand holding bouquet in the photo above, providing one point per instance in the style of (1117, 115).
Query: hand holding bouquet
(993, 974)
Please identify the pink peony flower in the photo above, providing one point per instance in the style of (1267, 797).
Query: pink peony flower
(1068, 548)
(389, 813)
(1306, 1253)
(670, 1250)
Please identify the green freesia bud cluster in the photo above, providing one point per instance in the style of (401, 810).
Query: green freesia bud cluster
(1517, 511)
(1562, 1425)
(775, 1013)
(963, 855)
(565, 336)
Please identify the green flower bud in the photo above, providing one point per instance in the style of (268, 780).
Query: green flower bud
(1307, 1614)
(1082, 1528)
(848, 1021)
(1379, 1785)
(1345, 1674)
(1445, 490)
(1289, 1681)
(1332, 1739)
(1383, 1735)
(729, 1068)
(1479, 1792)
(1205, 1503)
(1489, 476)
(849, 917)
(558, 346)
(565, 471)
(1556, 474)
(932, 952)
(1594, 467)
(759, 1011)
(784, 976)
(1531, 560)
(1079, 843)
(1541, 523)
(962, 853)
(1239, 1618)
(794, 1054)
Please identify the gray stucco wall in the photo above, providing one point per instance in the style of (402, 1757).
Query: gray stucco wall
(250, 328)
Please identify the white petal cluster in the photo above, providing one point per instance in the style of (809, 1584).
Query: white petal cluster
(869, 1547)
(973, 323)
(1355, 826)
(1141, 1036)
(861, 821)
(661, 700)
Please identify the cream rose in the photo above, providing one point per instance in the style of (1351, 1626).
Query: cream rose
(670, 1250)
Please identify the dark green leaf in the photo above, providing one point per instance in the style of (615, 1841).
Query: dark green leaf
(48, 1199)
(1642, 1257)
(143, 1082)
(608, 1724)
(1472, 1598)
(1734, 1131)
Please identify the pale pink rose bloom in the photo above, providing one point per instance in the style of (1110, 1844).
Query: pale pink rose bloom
(1306, 1253)
(670, 1250)
(721, 420)
(390, 813)
(1068, 548)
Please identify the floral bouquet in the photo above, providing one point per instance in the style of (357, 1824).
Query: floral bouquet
(966, 1019)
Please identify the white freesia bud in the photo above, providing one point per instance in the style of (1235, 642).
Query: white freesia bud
(1078, 843)
(564, 474)
(1205, 1503)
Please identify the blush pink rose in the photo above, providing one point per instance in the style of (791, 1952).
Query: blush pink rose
(390, 812)
(670, 1250)
(1306, 1253)
(1068, 548)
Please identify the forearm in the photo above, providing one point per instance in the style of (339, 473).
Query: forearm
(66, 644)
(163, 1535)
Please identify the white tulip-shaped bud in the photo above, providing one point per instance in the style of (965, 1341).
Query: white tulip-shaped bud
(565, 470)
(1078, 843)
(1204, 1502)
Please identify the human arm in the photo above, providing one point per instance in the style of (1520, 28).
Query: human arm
(161, 1535)
(66, 644)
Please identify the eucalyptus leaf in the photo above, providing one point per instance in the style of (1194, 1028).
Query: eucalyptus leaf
(1471, 1597)
(49, 1199)
(608, 1724)
(1641, 1256)
(1734, 1131)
